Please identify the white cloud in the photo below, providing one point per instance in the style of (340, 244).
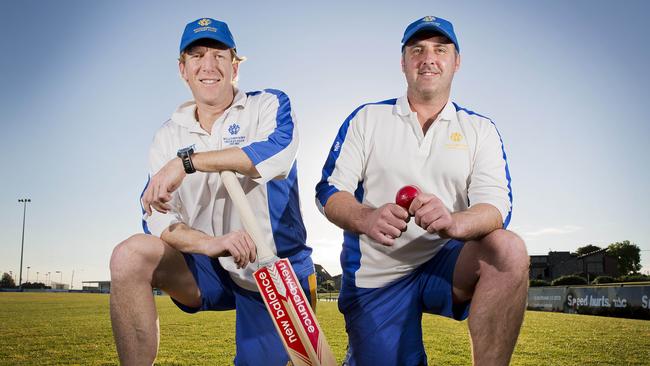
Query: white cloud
(326, 253)
(566, 229)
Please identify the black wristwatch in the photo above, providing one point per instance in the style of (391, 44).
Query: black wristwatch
(185, 155)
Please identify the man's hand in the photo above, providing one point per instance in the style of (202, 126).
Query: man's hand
(385, 223)
(161, 185)
(236, 244)
(432, 215)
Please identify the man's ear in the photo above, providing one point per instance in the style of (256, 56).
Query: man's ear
(181, 70)
(235, 71)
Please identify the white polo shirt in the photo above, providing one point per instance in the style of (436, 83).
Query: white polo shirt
(381, 148)
(263, 125)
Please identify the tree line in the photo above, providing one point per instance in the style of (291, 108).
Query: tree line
(628, 255)
(8, 282)
(628, 259)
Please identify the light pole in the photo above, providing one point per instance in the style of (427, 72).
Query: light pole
(22, 243)
(36, 276)
(61, 277)
(71, 279)
(28, 267)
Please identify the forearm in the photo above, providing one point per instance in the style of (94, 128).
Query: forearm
(475, 222)
(185, 239)
(232, 158)
(343, 210)
(236, 244)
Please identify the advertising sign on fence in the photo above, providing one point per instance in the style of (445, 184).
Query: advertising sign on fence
(618, 300)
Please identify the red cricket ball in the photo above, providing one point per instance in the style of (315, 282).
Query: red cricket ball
(406, 195)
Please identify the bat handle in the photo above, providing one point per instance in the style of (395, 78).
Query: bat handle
(238, 197)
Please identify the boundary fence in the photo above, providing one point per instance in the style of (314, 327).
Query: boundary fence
(621, 300)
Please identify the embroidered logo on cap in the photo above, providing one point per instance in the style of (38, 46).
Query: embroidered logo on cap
(429, 18)
(204, 26)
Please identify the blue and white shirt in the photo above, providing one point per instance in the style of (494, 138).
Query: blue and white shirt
(381, 147)
(262, 124)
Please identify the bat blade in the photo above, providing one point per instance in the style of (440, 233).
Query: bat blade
(275, 298)
(281, 292)
(292, 314)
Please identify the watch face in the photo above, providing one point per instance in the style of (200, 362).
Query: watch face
(185, 151)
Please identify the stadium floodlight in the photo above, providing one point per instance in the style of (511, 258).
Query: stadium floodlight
(22, 242)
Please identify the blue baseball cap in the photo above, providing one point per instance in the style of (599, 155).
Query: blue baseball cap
(434, 24)
(207, 28)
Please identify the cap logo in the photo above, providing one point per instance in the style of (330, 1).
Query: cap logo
(429, 19)
(204, 26)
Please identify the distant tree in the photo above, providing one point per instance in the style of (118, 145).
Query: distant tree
(327, 285)
(569, 280)
(587, 249)
(538, 283)
(603, 279)
(628, 256)
(634, 278)
(7, 281)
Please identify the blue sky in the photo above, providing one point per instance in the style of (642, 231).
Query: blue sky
(84, 86)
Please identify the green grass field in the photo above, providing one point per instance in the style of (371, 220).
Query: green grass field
(66, 329)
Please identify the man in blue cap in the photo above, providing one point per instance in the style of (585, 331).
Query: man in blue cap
(194, 247)
(445, 253)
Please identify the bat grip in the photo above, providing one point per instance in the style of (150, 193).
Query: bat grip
(238, 197)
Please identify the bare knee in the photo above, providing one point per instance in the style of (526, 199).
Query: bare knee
(135, 258)
(506, 251)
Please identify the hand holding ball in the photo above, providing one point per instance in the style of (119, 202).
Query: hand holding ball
(406, 195)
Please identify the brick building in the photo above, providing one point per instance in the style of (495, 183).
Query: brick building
(556, 264)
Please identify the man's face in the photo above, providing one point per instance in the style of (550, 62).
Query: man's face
(209, 71)
(429, 62)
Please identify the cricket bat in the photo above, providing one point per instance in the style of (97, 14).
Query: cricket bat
(289, 308)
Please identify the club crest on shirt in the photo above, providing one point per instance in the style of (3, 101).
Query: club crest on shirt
(233, 129)
(456, 141)
(455, 137)
(234, 138)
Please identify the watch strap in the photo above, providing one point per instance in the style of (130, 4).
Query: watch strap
(186, 158)
(187, 164)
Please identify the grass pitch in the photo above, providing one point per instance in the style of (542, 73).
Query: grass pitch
(74, 329)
